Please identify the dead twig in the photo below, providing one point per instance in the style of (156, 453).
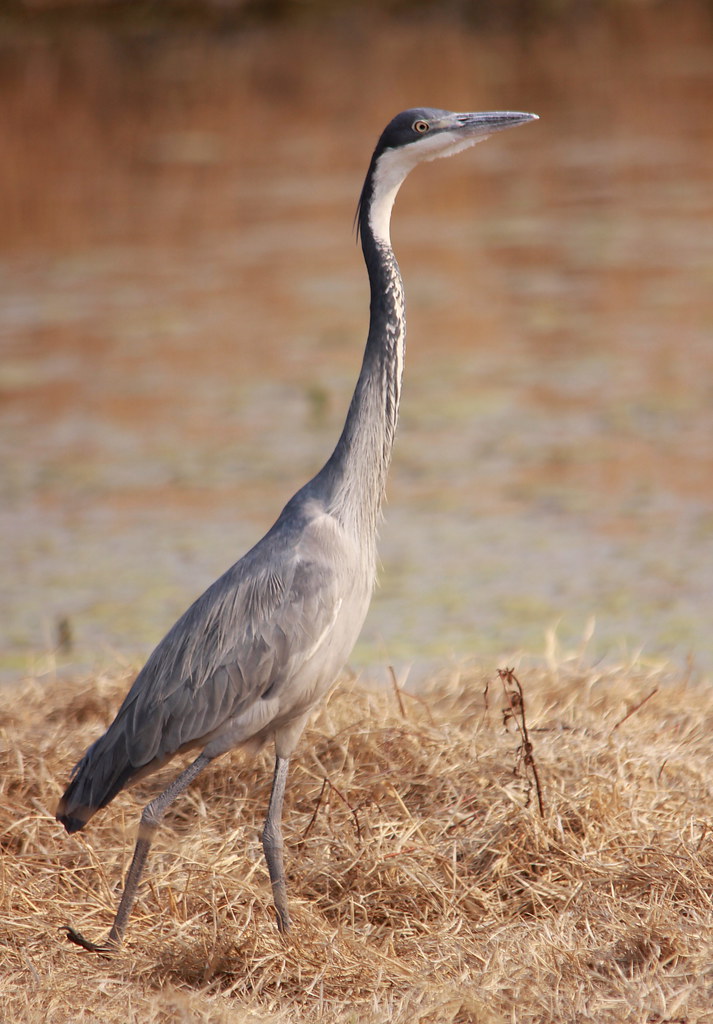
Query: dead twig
(327, 783)
(312, 820)
(515, 712)
(634, 708)
(397, 691)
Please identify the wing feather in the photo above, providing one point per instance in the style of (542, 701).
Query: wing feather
(233, 656)
(243, 639)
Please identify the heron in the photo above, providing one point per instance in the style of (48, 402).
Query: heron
(251, 658)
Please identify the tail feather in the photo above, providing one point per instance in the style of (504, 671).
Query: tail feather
(100, 775)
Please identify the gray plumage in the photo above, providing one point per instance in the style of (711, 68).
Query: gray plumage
(247, 658)
(253, 655)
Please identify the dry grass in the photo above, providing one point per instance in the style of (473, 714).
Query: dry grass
(425, 887)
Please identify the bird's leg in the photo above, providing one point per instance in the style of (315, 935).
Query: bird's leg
(150, 820)
(272, 843)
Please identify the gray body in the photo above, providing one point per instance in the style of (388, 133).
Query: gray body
(250, 659)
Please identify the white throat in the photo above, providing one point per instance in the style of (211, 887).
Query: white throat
(394, 164)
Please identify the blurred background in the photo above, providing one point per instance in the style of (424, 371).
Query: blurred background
(183, 309)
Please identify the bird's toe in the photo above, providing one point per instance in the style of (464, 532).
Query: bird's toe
(106, 949)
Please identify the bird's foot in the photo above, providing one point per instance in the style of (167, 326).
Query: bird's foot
(106, 949)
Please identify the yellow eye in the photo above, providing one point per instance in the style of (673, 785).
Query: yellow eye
(420, 126)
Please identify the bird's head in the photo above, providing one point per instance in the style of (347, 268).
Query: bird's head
(426, 134)
(417, 135)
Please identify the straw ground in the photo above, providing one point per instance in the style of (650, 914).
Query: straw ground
(425, 885)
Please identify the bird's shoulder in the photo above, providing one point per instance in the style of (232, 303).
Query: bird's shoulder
(286, 587)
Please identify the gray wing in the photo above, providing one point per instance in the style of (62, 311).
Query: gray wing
(243, 640)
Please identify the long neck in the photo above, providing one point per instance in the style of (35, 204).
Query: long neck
(358, 467)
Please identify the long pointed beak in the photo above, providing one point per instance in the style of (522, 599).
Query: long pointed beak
(481, 124)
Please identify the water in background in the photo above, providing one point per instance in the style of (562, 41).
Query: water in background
(183, 310)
